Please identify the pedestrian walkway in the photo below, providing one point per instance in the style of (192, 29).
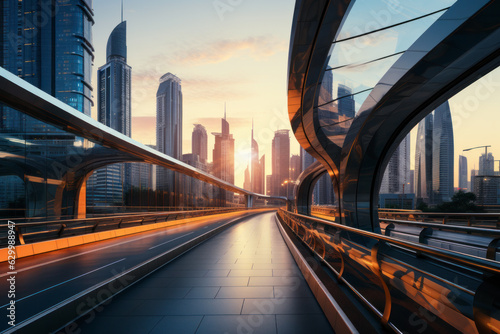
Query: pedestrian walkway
(244, 280)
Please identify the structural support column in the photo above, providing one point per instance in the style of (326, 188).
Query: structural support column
(249, 201)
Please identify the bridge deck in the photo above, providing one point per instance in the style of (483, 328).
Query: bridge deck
(242, 281)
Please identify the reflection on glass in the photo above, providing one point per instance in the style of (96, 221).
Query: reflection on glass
(370, 15)
(379, 44)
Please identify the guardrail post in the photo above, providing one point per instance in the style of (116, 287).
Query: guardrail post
(19, 236)
(61, 230)
(375, 266)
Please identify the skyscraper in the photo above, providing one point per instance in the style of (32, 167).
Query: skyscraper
(295, 167)
(486, 164)
(199, 142)
(49, 45)
(106, 186)
(462, 173)
(442, 155)
(306, 159)
(281, 162)
(396, 178)
(257, 169)
(169, 133)
(223, 158)
(423, 160)
(247, 184)
(346, 105)
(473, 174)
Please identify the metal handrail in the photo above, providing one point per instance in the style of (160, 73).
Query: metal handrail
(467, 229)
(468, 260)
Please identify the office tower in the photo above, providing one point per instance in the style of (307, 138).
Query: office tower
(269, 184)
(281, 162)
(257, 168)
(199, 142)
(473, 174)
(326, 89)
(324, 194)
(411, 188)
(247, 184)
(223, 158)
(262, 163)
(306, 159)
(195, 192)
(51, 48)
(295, 167)
(106, 186)
(462, 173)
(346, 105)
(396, 178)
(423, 160)
(486, 164)
(169, 134)
(442, 155)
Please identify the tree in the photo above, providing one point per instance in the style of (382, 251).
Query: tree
(461, 202)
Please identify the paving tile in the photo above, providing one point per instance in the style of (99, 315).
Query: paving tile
(120, 324)
(205, 292)
(301, 291)
(209, 281)
(218, 273)
(182, 273)
(254, 323)
(274, 265)
(303, 324)
(281, 306)
(191, 307)
(146, 293)
(251, 272)
(118, 307)
(246, 292)
(287, 272)
(275, 281)
(177, 324)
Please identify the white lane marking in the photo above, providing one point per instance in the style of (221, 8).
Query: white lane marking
(87, 252)
(72, 279)
(166, 242)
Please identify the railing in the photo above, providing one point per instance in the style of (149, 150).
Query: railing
(468, 219)
(411, 287)
(39, 231)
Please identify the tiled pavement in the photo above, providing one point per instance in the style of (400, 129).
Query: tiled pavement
(244, 280)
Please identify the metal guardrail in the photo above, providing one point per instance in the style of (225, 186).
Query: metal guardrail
(468, 219)
(40, 231)
(411, 287)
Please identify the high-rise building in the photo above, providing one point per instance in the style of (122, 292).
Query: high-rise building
(269, 184)
(247, 184)
(442, 155)
(346, 104)
(486, 164)
(306, 159)
(106, 186)
(49, 45)
(324, 193)
(462, 173)
(396, 178)
(257, 169)
(295, 167)
(169, 133)
(223, 158)
(199, 143)
(473, 174)
(411, 189)
(281, 162)
(423, 160)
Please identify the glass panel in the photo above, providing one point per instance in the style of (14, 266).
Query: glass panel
(369, 15)
(379, 44)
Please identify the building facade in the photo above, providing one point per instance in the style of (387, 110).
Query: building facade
(223, 158)
(463, 183)
(442, 155)
(114, 81)
(396, 178)
(423, 160)
(199, 142)
(281, 163)
(169, 134)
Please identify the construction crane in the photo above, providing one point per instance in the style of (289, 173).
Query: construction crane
(485, 149)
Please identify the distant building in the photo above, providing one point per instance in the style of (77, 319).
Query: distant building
(295, 167)
(199, 142)
(269, 184)
(462, 173)
(169, 134)
(345, 102)
(423, 160)
(443, 155)
(247, 184)
(107, 185)
(195, 193)
(486, 164)
(306, 159)
(396, 178)
(257, 168)
(324, 195)
(223, 158)
(487, 189)
(473, 173)
(281, 162)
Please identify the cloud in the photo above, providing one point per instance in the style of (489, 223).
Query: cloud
(258, 47)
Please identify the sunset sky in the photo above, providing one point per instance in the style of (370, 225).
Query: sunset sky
(239, 56)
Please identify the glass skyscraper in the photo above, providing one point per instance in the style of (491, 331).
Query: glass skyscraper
(423, 160)
(48, 44)
(442, 155)
(106, 185)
